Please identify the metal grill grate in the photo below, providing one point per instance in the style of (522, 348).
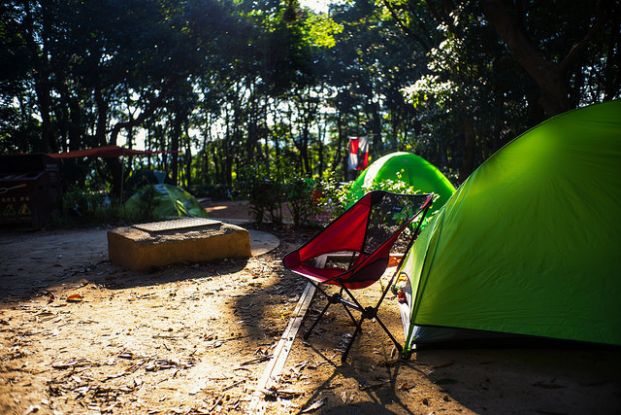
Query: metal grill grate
(179, 225)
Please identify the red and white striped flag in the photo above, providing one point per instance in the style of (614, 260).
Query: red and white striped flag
(358, 153)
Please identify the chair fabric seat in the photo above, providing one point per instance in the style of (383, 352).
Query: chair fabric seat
(368, 230)
(331, 275)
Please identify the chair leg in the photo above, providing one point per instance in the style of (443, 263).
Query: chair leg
(309, 331)
(351, 341)
(396, 343)
(368, 313)
(351, 316)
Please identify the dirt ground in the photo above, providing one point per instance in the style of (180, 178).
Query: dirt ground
(194, 339)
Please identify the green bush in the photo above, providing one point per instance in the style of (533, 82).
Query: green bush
(268, 193)
(143, 212)
(397, 185)
(299, 193)
(326, 196)
(81, 207)
(265, 194)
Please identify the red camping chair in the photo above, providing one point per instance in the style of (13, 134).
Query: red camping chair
(364, 234)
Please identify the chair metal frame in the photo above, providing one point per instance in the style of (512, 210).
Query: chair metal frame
(341, 280)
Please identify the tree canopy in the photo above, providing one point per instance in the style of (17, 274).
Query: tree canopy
(229, 88)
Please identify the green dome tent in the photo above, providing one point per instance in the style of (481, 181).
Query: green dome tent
(415, 171)
(529, 244)
(163, 201)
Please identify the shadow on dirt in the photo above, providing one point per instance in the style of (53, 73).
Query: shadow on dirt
(122, 279)
(531, 380)
(378, 386)
(539, 381)
(33, 264)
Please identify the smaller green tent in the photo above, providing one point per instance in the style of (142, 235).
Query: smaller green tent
(163, 201)
(412, 169)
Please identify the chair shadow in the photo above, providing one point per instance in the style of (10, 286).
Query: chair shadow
(379, 396)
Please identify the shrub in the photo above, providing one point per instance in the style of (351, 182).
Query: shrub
(300, 193)
(143, 212)
(265, 195)
(81, 206)
(396, 185)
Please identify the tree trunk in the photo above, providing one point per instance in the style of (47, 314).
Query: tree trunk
(374, 127)
(174, 137)
(339, 145)
(188, 156)
(228, 163)
(206, 139)
(102, 117)
(41, 77)
(304, 148)
(550, 77)
(467, 164)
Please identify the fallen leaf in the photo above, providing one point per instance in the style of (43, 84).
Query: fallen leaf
(367, 386)
(71, 363)
(318, 404)
(407, 386)
(74, 298)
(114, 376)
(32, 409)
(63, 365)
(274, 393)
(82, 390)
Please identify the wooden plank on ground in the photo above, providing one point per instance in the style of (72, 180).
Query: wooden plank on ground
(281, 352)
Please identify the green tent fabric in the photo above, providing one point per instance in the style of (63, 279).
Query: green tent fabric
(530, 244)
(164, 201)
(415, 171)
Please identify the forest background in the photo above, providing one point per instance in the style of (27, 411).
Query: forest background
(235, 90)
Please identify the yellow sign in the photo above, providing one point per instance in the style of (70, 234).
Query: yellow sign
(24, 210)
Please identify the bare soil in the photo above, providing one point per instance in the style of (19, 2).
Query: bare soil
(81, 336)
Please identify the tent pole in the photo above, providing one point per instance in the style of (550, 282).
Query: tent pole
(122, 177)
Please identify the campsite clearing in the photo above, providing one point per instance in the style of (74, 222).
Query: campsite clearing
(79, 335)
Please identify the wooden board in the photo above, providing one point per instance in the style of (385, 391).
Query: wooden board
(281, 352)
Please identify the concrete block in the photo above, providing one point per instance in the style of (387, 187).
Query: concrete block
(145, 246)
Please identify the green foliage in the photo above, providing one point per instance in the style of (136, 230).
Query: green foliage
(328, 191)
(145, 206)
(299, 196)
(321, 29)
(268, 194)
(265, 83)
(397, 185)
(265, 195)
(83, 207)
